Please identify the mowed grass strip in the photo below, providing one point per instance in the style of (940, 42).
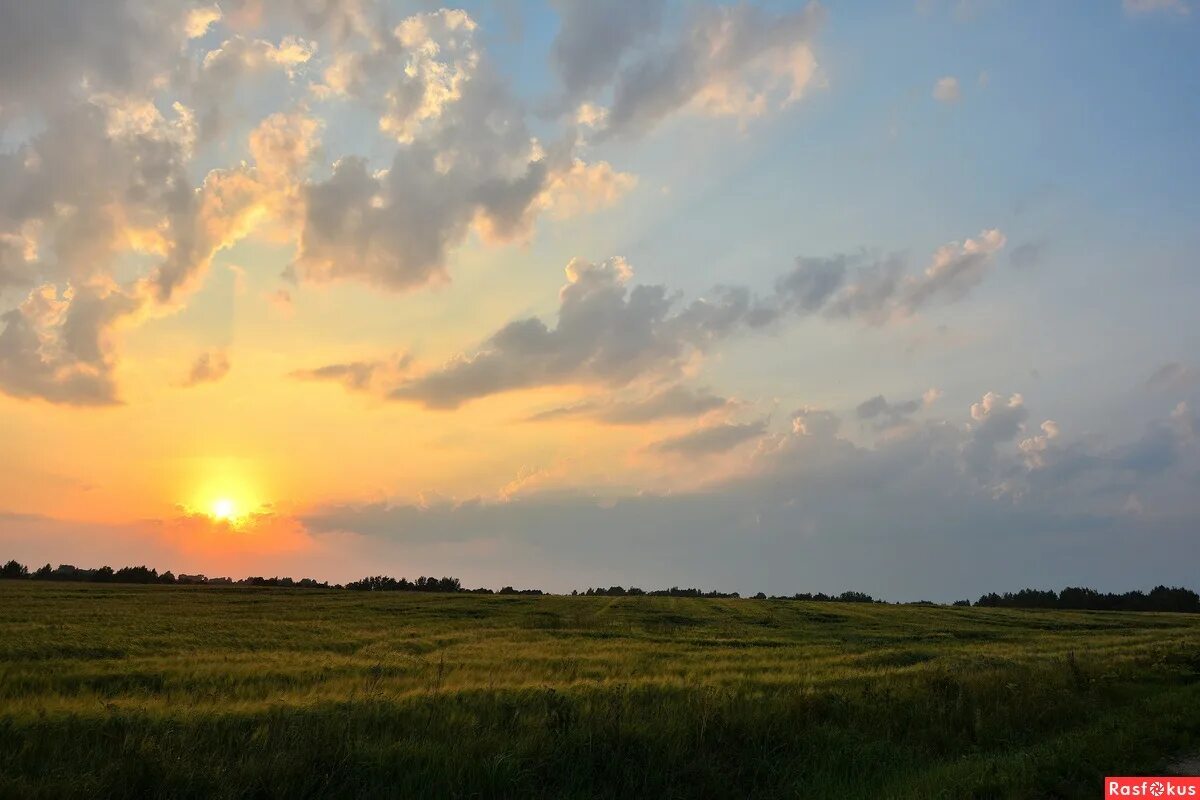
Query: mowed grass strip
(163, 691)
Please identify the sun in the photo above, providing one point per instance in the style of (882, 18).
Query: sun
(224, 509)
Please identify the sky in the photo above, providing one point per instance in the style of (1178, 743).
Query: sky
(763, 296)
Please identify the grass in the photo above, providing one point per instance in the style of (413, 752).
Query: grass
(162, 691)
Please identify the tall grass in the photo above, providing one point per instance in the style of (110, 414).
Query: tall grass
(231, 692)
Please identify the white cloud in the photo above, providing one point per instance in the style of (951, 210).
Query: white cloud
(946, 90)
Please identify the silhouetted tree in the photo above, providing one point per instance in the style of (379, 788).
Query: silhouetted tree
(14, 569)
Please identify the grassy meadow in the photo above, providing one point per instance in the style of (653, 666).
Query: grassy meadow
(172, 691)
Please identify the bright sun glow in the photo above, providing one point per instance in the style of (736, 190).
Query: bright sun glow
(224, 509)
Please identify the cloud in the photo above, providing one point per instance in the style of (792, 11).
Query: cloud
(885, 415)
(209, 367)
(237, 59)
(1034, 449)
(466, 162)
(584, 188)
(1028, 255)
(606, 333)
(955, 270)
(104, 201)
(946, 90)
(711, 440)
(876, 290)
(609, 334)
(359, 376)
(108, 177)
(673, 402)
(995, 421)
(1138, 7)
(199, 20)
(52, 48)
(595, 36)
(811, 511)
(1173, 376)
(57, 346)
(739, 61)
(819, 423)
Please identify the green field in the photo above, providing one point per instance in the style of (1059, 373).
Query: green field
(200, 691)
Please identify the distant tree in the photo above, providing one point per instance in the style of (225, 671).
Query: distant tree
(142, 574)
(102, 575)
(14, 569)
(760, 596)
(962, 603)
(43, 573)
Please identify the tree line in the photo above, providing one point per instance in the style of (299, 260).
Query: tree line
(1160, 598)
(143, 574)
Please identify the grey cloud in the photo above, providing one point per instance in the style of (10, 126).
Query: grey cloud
(466, 161)
(610, 334)
(214, 80)
(209, 367)
(1028, 255)
(1173, 376)
(357, 376)
(955, 270)
(819, 423)
(673, 402)
(49, 48)
(594, 36)
(711, 440)
(995, 421)
(606, 333)
(58, 347)
(879, 409)
(813, 281)
(730, 60)
(818, 513)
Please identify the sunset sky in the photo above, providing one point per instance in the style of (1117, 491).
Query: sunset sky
(899, 297)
